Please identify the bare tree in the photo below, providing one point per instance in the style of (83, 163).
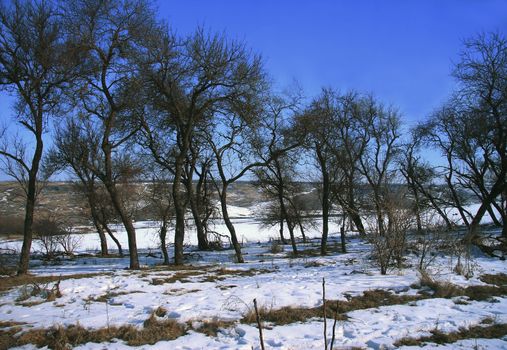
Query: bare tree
(75, 149)
(200, 199)
(158, 194)
(350, 145)
(388, 238)
(36, 62)
(109, 34)
(471, 129)
(189, 82)
(317, 125)
(245, 138)
(382, 130)
(338, 134)
(277, 177)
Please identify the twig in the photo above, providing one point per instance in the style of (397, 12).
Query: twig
(324, 306)
(334, 326)
(259, 324)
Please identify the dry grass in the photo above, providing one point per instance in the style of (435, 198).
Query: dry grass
(370, 299)
(213, 326)
(489, 331)
(223, 273)
(181, 276)
(282, 316)
(180, 291)
(449, 290)
(7, 339)
(105, 297)
(276, 247)
(11, 226)
(8, 324)
(154, 330)
(498, 279)
(44, 291)
(15, 281)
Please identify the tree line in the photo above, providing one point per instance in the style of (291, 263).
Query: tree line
(123, 98)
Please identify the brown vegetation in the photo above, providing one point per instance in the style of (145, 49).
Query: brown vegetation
(288, 314)
(478, 292)
(154, 330)
(490, 331)
(211, 327)
(15, 281)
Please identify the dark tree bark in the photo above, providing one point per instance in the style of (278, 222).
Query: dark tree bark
(36, 62)
(110, 36)
(325, 198)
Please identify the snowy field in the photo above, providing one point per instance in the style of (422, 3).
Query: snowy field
(215, 288)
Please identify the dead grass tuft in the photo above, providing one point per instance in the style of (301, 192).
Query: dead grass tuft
(213, 326)
(370, 299)
(107, 296)
(181, 276)
(449, 290)
(15, 281)
(154, 330)
(498, 279)
(276, 247)
(490, 331)
(7, 339)
(160, 312)
(282, 316)
(8, 324)
(180, 291)
(222, 273)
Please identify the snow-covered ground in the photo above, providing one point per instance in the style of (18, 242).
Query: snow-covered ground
(207, 291)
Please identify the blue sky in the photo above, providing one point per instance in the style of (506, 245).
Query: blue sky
(401, 51)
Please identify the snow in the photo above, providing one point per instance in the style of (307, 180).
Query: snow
(204, 292)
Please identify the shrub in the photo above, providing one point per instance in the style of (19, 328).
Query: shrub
(11, 225)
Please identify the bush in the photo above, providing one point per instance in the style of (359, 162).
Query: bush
(54, 236)
(388, 234)
(276, 247)
(11, 225)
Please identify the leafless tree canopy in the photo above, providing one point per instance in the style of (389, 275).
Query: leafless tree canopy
(125, 99)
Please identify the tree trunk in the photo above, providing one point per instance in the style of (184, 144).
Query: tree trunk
(496, 190)
(230, 226)
(163, 244)
(102, 237)
(179, 208)
(301, 228)
(202, 239)
(99, 228)
(356, 219)
(113, 237)
(31, 195)
(290, 225)
(352, 211)
(325, 201)
(492, 214)
(457, 201)
(27, 234)
(417, 209)
(109, 183)
(342, 235)
(282, 238)
(434, 204)
(127, 223)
